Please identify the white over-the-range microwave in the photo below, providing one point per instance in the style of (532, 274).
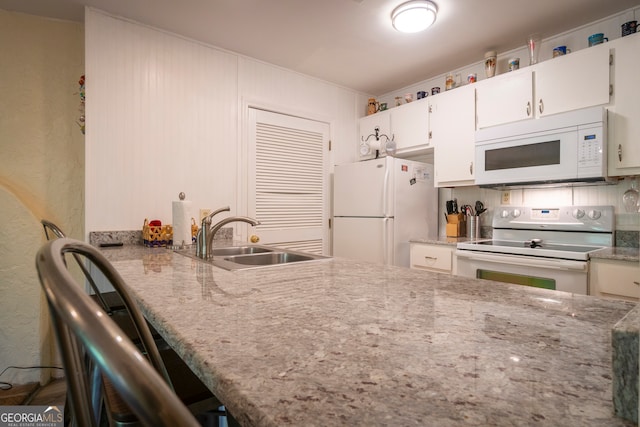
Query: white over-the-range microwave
(566, 147)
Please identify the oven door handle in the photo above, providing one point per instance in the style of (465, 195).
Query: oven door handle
(557, 264)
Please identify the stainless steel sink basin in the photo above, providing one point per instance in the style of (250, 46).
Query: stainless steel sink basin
(239, 250)
(269, 258)
(244, 257)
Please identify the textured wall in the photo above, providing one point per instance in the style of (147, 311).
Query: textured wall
(41, 172)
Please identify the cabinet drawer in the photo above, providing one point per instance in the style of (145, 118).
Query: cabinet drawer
(431, 257)
(611, 278)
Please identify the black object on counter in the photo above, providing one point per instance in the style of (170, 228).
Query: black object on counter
(110, 245)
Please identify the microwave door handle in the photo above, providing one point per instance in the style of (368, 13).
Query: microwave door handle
(524, 261)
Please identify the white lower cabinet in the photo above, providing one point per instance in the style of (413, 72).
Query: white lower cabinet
(436, 258)
(615, 279)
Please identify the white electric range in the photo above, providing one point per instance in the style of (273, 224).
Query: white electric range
(541, 247)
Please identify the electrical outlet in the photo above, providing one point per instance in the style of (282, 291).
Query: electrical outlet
(204, 212)
(506, 197)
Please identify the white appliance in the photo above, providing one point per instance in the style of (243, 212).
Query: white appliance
(540, 247)
(566, 147)
(379, 205)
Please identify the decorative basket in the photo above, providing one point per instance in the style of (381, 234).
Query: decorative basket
(194, 230)
(156, 235)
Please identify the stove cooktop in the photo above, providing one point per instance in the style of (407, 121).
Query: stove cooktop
(569, 232)
(546, 250)
(537, 246)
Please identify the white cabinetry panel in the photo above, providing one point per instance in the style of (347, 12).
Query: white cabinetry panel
(505, 99)
(437, 258)
(615, 279)
(624, 114)
(410, 126)
(574, 81)
(452, 123)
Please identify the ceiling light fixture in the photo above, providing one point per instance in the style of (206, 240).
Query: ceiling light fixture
(414, 16)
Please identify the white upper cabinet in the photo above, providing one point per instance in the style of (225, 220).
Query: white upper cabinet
(452, 123)
(624, 113)
(410, 127)
(407, 125)
(378, 123)
(505, 99)
(574, 81)
(566, 83)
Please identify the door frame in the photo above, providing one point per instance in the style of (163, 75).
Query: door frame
(242, 192)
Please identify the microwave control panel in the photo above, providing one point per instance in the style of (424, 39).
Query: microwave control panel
(591, 154)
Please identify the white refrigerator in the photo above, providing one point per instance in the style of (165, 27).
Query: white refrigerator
(379, 205)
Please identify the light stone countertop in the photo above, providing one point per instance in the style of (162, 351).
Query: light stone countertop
(617, 253)
(341, 342)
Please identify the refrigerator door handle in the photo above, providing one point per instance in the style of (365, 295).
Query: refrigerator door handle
(385, 241)
(385, 191)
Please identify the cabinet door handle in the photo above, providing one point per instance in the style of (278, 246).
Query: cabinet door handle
(435, 258)
(540, 106)
(619, 152)
(528, 108)
(430, 135)
(471, 168)
(610, 90)
(636, 283)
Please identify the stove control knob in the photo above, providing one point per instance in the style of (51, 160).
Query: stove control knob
(504, 213)
(594, 214)
(578, 213)
(516, 213)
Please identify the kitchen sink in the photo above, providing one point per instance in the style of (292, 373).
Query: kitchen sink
(239, 250)
(245, 257)
(269, 258)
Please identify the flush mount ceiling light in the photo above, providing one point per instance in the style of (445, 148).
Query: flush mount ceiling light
(414, 16)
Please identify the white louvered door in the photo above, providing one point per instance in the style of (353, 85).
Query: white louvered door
(288, 181)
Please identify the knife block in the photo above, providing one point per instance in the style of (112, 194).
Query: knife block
(456, 225)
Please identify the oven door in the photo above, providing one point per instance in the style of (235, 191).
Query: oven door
(549, 273)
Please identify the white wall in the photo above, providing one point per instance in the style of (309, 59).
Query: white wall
(167, 114)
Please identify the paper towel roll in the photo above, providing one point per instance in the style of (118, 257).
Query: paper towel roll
(181, 222)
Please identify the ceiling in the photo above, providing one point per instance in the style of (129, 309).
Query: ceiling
(348, 42)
